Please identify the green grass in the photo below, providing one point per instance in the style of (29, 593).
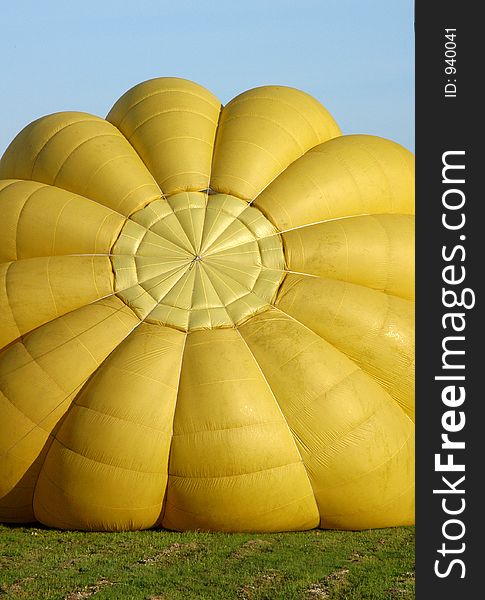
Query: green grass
(38, 564)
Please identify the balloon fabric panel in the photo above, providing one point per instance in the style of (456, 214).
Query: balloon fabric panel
(207, 317)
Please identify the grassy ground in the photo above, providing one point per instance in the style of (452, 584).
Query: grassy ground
(43, 564)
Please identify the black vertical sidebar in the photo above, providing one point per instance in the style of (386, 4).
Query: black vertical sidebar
(450, 336)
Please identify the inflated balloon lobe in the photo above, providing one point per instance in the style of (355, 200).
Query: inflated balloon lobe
(207, 317)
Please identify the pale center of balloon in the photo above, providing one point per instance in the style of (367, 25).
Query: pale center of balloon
(194, 261)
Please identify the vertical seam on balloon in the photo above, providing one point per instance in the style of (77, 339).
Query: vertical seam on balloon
(192, 225)
(283, 292)
(347, 252)
(56, 224)
(139, 241)
(161, 517)
(226, 305)
(365, 368)
(163, 219)
(215, 248)
(152, 116)
(206, 281)
(199, 245)
(76, 148)
(284, 418)
(303, 176)
(142, 162)
(267, 213)
(322, 193)
(186, 273)
(20, 211)
(206, 234)
(73, 393)
(270, 182)
(113, 312)
(19, 216)
(113, 238)
(216, 274)
(275, 160)
(175, 212)
(284, 170)
(8, 302)
(93, 273)
(93, 119)
(182, 270)
(347, 354)
(53, 409)
(313, 333)
(78, 388)
(300, 248)
(214, 142)
(210, 248)
(341, 352)
(97, 169)
(49, 284)
(77, 337)
(342, 161)
(26, 332)
(204, 291)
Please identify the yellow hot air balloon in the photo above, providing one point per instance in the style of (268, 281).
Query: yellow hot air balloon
(206, 317)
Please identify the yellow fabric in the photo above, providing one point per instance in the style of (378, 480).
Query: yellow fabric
(375, 251)
(197, 261)
(129, 442)
(261, 132)
(40, 375)
(374, 329)
(335, 411)
(84, 154)
(38, 290)
(206, 317)
(172, 125)
(349, 175)
(245, 428)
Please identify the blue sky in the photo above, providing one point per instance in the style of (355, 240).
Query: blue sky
(354, 56)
